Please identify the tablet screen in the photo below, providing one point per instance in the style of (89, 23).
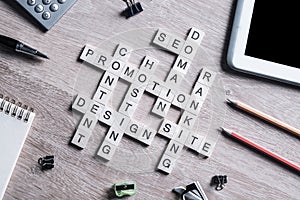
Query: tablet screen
(274, 32)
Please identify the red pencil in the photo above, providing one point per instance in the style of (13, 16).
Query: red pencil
(261, 149)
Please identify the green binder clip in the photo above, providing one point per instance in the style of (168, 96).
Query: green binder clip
(127, 188)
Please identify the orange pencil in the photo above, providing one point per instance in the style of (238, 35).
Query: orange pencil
(264, 116)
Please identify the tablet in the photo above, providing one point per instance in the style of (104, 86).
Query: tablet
(265, 39)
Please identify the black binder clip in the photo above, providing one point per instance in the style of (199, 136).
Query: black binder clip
(192, 191)
(219, 181)
(132, 8)
(46, 162)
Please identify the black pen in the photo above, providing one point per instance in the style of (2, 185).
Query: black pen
(20, 47)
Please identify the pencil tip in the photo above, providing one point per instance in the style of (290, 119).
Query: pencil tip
(221, 129)
(225, 130)
(230, 102)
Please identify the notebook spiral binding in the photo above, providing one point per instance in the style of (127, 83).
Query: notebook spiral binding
(15, 110)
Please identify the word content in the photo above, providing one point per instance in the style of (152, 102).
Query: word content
(142, 80)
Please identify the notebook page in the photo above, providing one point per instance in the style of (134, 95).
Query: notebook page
(13, 134)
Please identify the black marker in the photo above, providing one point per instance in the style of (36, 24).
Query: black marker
(20, 47)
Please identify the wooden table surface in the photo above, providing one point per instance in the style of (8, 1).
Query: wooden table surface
(50, 86)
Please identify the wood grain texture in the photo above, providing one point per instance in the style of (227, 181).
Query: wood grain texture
(49, 87)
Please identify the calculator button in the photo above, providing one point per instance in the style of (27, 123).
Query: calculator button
(46, 15)
(39, 8)
(31, 2)
(61, 1)
(46, 2)
(54, 7)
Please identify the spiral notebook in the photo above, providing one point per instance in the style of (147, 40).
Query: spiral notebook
(15, 122)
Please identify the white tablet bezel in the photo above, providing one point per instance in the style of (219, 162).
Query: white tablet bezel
(237, 59)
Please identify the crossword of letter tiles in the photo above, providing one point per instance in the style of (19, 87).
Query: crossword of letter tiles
(142, 80)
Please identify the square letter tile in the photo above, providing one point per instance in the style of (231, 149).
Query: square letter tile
(167, 128)
(102, 60)
(154, 86)
(207, 147)
(106, 150)
(81, 103)
(135, 93)
(123, 52)
(196, 35)
(88, 54)
(189, 50)
(109, 81)
(181, 99)
(206, 77)
(182, 64)
(181, 135)
(194, 105)
(167, 94)
(116, 67)
(194, 141)
(88, 122)
(161, 107)
(174, 79)
(102, 95)
(81, 138)
(147, 135)
(175, 45)
(128, 107)
(187, 120)
(108, 116)
(200, 91)
(174, 149)
(149, 64)
(162, 38)
(129, 73)
(166, 163)
(134, 129)
(113, 136)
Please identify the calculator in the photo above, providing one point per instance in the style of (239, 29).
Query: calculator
(46, 12)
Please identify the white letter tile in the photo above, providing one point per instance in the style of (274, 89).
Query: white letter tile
(161, 107)
(174, 149)
(149, 64)
(167, 128)
(189, 50)
(81, 103)
(129, 73)
(128, 107)
(81, 138)
(196, 36)
(194, 141)
(102, 95)
(113, 136)
(106, 150)
(166, 163)
(187, 120)
(162, 38)
(181, 99)
(123, 52)
(181, 135)
(109, 81)
(147, 135)
(108, 116)
(175, 45)
(116, 67)
(182, 64)
(206, 77)
(134, 129)
(200, 91)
